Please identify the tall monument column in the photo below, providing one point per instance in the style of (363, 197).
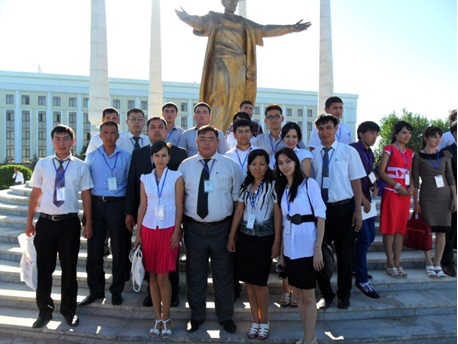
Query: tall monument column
(155, 99)
(99, 90)
(326, 87)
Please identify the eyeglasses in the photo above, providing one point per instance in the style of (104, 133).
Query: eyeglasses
(136, 119)
(207, 139)
(271, 118)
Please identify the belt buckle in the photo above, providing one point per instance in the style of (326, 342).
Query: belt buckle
(103, 199)
(53, 217)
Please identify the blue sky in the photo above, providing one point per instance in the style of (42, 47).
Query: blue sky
(394, 53)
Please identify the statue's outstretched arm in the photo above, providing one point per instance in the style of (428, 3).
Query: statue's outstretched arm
(280, 30)
(195, 22)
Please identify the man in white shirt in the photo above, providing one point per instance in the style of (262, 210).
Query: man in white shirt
(202, 116)
(109, 114)
(338, 170)
(170, 114)
(18, 177)
(212, 185)
(333, 106)
(56, 181)
(134, 139)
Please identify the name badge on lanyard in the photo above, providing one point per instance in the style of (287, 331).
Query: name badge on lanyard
(439, 181)
(407, 178)
(372, 177)
(112, 184)
(250, 222)
(160, 213)
(208, 186)
(60, 194)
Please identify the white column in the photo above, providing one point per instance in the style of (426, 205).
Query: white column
(49, 125)
(155, 62)
(17, 129)
(242, 8)
(79, 124)
(98, 80)
(190, 113)
(326, 87)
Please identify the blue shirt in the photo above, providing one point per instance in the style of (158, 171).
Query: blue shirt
(103, 167)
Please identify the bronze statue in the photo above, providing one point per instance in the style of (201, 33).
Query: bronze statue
(229, 72)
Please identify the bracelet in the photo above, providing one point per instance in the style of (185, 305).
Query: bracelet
(397, 186)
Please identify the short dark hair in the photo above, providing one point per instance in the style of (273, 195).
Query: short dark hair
(332, 100)
(273, 107)
(135, 110)
(241, 123)
(108, 110)
(110, 123)
(368, 126)
(158, 146)
(325, 118)
(246, 102)
(63, 129)
(241, 115)
(430, 132)
(206, 128)
(156, 118)
(170, 104)
(452, 116)
(453, 127)
(291, 126)
(201, 104)
(398, 127)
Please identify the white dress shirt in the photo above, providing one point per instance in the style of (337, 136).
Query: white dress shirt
(447, 140)
(344, 166)
(188, 141)
(301, 155)
(77, 178)
(343, 135)
(241, 158)
(126, 142)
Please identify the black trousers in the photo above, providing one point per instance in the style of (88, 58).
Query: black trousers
(54, 237)
(108, 217)
(450, 244)
(339, 229)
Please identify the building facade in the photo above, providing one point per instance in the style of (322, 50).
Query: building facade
(31, 104)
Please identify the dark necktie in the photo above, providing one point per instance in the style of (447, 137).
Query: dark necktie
(202, 198)
(59, 182)
(325, 173)
(136, 144)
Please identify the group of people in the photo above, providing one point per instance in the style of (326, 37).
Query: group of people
(240, 200)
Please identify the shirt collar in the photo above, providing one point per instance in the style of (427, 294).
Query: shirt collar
(214, 157)
(334, 145)
(69, 157)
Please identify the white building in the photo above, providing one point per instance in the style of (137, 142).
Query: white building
(31, 104)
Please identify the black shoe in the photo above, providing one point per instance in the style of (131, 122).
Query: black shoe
(147, 301)
(116, 300)
(229, 325)
(353, 274)
(344, 303)
(42, 321)
(72, 320)
(368, 290)
(324, 303)
(175, 300)
(89, 299)
(193, 325)
(449, 270)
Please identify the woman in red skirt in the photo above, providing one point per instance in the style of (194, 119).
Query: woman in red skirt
(159, 222)
(396, 169)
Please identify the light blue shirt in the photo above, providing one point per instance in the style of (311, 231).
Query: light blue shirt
(173, 136)
(103, 167)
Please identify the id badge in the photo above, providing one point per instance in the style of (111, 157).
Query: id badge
(407, 178)
(112, 185)
(287, 228)
(208, 186)
(325, 182)
(159, 212)
(60, 194)
(439, 181)
(250, 222)
(372, 177)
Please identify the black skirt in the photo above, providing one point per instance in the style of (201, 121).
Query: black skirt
(301, 273)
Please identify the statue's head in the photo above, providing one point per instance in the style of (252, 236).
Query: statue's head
(230, 5)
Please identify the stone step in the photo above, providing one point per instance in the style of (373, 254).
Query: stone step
(424, 329)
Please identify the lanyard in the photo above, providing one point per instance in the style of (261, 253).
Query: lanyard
(330, 158)
(206, 167)
(170, 134)
(159, 190)
(253, 199)
(133, 141)
(65, 170)
(288, 203)
(274, 149)
(244, 160)
(404, 156)
(437, 161)
(340, 134)
(106, 162)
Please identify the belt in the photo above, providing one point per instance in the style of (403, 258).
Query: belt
(335, 204)
(190, 219)
(109, 198)
(60, 217)
(298, 219)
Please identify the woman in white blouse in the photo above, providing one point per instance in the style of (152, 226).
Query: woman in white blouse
(159, 232)
(303, 214)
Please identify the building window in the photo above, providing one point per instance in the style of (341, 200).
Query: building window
(289, 112)
(309, 113)
(25, 100)
(72, 102)
(56, 101)
(184, 121)
(309, 126)
(184, 107)
(41, 100)
(10, 99)
(257, 110)
(299, 123)
(26, 119)
(56, 118)
(300, 113)
(10, 116)
(85, 102)
(130, 104)
(116, 103)
(144, 105)
(41, 116)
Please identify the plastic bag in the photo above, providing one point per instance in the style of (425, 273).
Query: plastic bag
(137, 271)
(28, 264)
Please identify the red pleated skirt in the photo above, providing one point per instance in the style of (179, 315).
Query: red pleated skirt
(158, 256)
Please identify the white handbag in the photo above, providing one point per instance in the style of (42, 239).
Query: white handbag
(137, 272)
(28, 264)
